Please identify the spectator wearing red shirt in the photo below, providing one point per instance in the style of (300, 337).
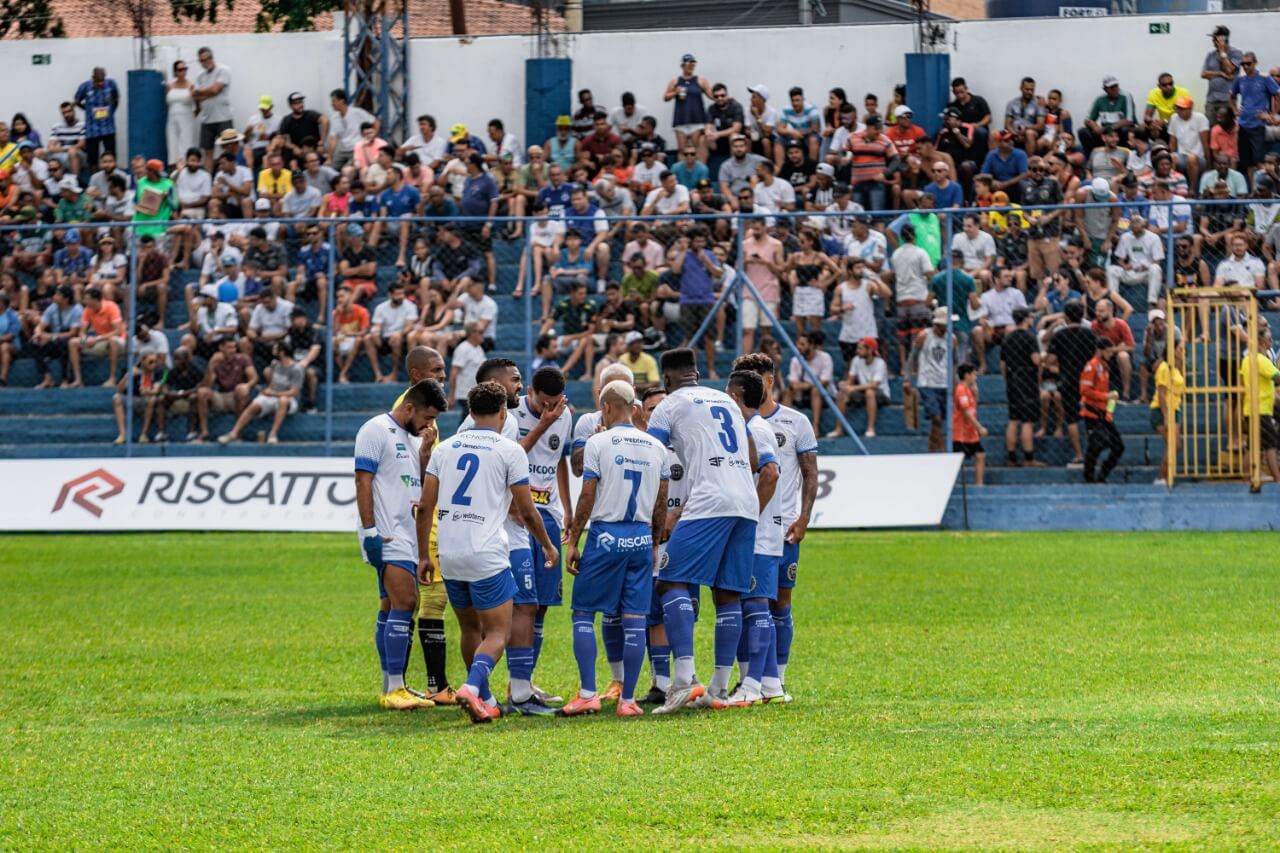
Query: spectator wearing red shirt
(904, 135)
(601, 142)
(967, 431)
(870, 153)
(1117, 331)
(1096, 400)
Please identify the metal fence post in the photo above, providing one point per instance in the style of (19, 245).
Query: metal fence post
(1168, 249)
(329, 360)
(130, 329)
(951, 313)
(741, 273)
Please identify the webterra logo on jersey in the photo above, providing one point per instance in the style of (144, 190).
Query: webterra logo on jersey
(81, 491)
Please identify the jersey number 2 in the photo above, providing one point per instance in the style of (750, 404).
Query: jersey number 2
(468, 464)
(728, 437)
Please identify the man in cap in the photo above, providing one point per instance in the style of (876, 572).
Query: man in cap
(154, 201)
(1188, 138)
(261, 126)
(1113, 109)
(562, 149)
(761, 121)
(1221, 67)
(302, 125)
(689, 119)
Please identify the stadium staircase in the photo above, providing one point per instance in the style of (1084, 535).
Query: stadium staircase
(77, 423)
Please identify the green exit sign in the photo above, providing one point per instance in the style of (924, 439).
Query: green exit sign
(41, 59)
(1158, 29)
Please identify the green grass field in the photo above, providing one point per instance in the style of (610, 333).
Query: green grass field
(953, 692)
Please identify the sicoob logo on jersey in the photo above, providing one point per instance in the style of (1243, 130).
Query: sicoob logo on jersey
(554, 442)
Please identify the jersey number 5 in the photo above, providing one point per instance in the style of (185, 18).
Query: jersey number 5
(468, 464)
(728, 438)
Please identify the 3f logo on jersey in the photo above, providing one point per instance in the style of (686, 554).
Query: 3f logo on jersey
(715, 461)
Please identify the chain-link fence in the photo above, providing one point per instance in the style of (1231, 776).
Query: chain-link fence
(294, 331)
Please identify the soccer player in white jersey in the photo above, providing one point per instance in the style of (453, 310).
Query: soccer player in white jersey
(388, 473)
(677, 491)
(474, 478)
(759, 675)
(624, 496)
(546, 430)
(798, 460)
(610, 623)
(713, 541)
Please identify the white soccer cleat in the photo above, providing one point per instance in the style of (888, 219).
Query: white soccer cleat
(714, 701)
(678, 697)
(743, 698)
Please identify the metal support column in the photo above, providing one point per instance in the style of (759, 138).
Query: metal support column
(376, 61)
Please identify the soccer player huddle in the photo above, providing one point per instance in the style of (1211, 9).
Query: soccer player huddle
(684, 487)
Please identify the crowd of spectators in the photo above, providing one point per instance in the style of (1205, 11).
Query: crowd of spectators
(1063, 214)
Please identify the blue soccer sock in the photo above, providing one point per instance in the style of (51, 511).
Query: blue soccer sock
(398, 633)
(758, 630)
(771, 683)
(611, 633)
(677, 616)
(520, 671)
(380, 640)
(478, 677)
(537, 636)
(633, 632)
(786, 632)
(744, 649)
(660, 664)
(728, 631)
(584, 651)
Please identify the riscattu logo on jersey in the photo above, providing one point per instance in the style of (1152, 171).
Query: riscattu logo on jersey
(605, 541)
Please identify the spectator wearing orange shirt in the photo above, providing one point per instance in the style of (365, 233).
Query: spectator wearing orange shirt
(101, 333)
(1096, 402)
(904, 135)
(967, 431)
(350, 332)
(1117, 331)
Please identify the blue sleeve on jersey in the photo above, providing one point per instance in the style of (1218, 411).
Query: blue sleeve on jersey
(364, 463)
(588, 474)
(661, 434)
(804, 450)
(766, 459)
(578, 442)
(523, 482)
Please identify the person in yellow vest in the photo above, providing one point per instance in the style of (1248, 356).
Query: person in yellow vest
(1268, 378)
(425, 363)
(1165, 403)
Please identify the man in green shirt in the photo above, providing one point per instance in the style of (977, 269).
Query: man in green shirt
(154, 201)
(575, 316)
(73, 205)
(1111, 109)
(639, 285)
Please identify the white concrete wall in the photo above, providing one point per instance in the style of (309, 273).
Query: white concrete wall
(475, 81)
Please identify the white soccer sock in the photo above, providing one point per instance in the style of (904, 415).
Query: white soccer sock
(683, 674)
(720, 679)
(750, 685)
(615, 670)
(385, 680)
(586, 694)
(662, 682)
(491, 702)
(394, 682)
(770, 685)
(521, 690)
(782, 672)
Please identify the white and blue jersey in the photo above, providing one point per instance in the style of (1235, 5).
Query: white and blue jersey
(705, 429)
(795, 437)
(389, 452)
(586, 427)
(476, 470)
(712, 542)
(615, 571)
(517, 536)
(769, 530)
(545, 458)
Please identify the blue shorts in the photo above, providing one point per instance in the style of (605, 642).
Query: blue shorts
(486, 594)
(714, 552)
(933, 403)
(787, 565)
(399, 564)
(548, 581)
(523, 574)
(611, 580)
(764, 577)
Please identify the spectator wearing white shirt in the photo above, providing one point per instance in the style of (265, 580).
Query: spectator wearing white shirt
(467, 356)
(267, 325)
(978, 248)
(344, 128)
(866, 243)
(625, 120)
(1188, 138)
(840, 214)
(761, 121)
(996, 313)
(647, 174)
(392, 321)
(1241, 269)
(771, 194)
(866, 385)
(669, 199)
(232, 187)
(503, 143)
(802, 392)
(260, 126)
(849, 125)
(211, 323)
(1139, 254)
(477, 307)
(429, 147)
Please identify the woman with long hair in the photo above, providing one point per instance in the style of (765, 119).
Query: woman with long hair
(180, 125)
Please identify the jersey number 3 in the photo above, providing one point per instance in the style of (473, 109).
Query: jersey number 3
(468, 464)
(728, 437)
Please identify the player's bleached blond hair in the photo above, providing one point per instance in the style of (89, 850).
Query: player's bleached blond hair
(617, 372)
(619, 393)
